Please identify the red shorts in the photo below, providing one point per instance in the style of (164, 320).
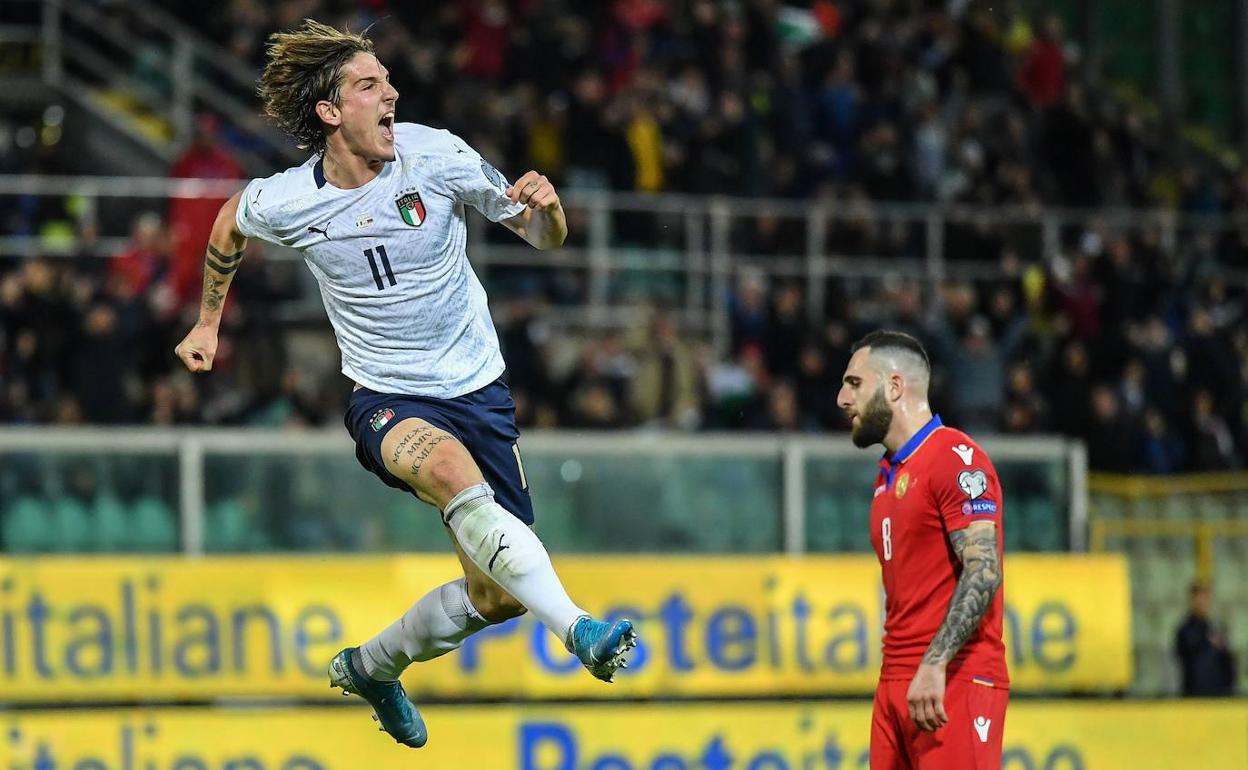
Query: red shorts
(971, 740)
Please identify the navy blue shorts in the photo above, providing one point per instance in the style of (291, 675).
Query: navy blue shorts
(484, 421)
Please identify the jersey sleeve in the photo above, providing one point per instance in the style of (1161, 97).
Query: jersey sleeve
(964, 491)
(250, 217)
(474, 182)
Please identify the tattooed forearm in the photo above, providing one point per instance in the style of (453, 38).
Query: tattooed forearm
(218, 272)
(214, 292)
(976, 546)
(225, 264)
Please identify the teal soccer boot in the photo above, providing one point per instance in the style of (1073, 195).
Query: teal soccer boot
(602, 646)
(392, 709)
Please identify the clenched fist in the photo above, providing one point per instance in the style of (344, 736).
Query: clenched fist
(198, 348)
(535, 191)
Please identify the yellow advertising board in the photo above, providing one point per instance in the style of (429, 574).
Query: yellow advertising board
(88, 629)
(1039, 735)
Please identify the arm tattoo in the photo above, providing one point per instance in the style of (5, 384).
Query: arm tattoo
(976, 546)
(214, 291)
(224, 264)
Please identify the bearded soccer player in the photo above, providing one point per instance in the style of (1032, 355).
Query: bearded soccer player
(936, 529)
(378, 212)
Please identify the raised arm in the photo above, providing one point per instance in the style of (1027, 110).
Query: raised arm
(224, 254)
(543, 223)
(976, 547)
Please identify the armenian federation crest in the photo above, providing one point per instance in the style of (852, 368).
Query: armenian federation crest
(411, 208)
(903, 483)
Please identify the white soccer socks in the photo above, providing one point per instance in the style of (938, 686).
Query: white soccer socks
(508, 551)
(435, 625)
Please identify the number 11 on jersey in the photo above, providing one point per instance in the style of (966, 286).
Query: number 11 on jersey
(385, 262)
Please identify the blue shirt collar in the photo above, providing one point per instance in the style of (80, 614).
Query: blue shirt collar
(889, 464)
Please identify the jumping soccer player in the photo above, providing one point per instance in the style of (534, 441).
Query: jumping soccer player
(378, 213)
(936, 529)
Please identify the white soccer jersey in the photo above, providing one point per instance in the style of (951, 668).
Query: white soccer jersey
(409, 313)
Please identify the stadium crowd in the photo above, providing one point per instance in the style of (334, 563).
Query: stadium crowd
(1138, 345)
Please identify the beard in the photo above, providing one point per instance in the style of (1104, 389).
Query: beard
(873, 421)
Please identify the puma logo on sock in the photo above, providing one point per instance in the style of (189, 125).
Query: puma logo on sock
(501, 548)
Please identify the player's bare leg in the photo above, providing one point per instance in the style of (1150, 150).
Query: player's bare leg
(506, 569)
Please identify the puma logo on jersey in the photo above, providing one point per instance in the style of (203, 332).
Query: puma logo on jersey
(324, 231)
(965, 452)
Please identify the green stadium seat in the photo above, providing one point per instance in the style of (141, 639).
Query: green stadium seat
(71, 525)
(825, 527)
(110, 525)
(413, 526)
(1043, 530)
(1013, 528)
(226, 527)
(857, 532)
(155, 528)
(553, 509)
(28, 526)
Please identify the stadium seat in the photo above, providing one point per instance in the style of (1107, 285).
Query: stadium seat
(226, 527)
(71, 525)
(825, 531)
(27, 526)
(412, 526)
(1043, 528)
(111, 526)
(154, 526)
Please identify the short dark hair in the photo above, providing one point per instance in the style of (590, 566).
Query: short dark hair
(885, 339)
(305, 67)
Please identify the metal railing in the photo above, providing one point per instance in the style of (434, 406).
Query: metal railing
(695, 247)
(149, 64)
(742, 482)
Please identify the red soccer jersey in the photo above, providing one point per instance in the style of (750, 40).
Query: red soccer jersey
(938, 483)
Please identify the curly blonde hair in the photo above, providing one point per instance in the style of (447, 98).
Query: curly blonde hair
(305, 67)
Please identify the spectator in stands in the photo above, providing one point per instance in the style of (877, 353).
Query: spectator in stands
(1042, 76)
(981, 383)
(667, 389)
(1109, 434)
(1213, 447)
(190, 219)
(144, 262)
(1025, 409)
(100, 366)
(1205, 658)
(870, 101)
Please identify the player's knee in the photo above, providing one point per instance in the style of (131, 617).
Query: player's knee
(448, 475)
